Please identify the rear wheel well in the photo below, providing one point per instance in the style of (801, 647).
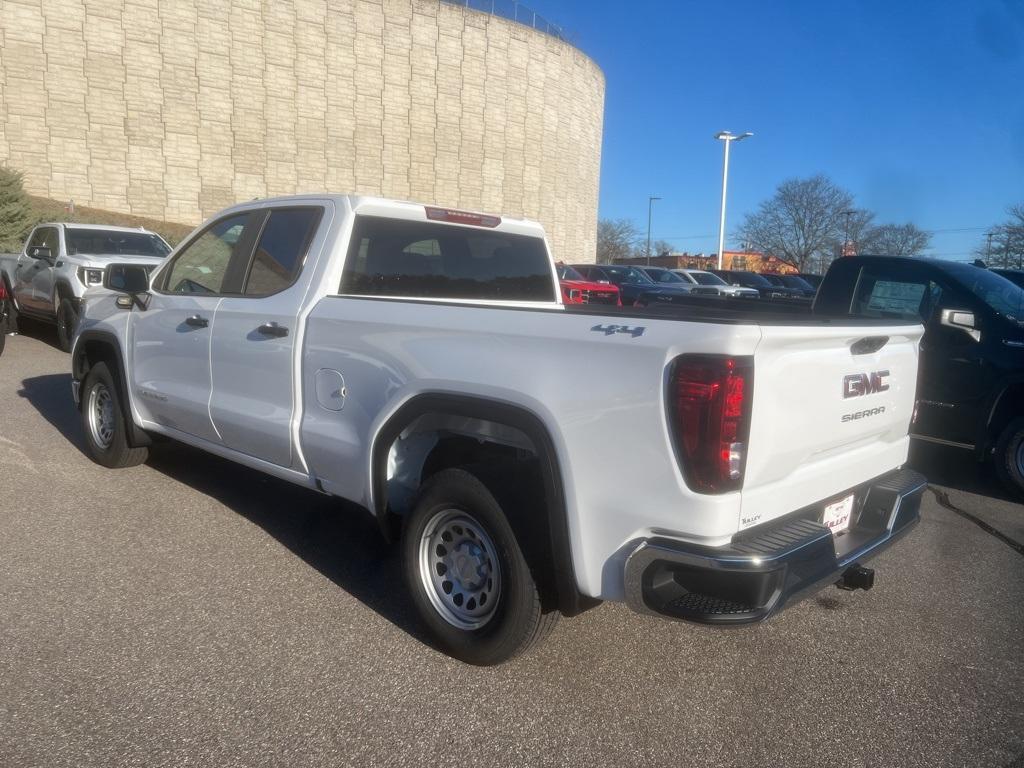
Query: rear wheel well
(505, 447)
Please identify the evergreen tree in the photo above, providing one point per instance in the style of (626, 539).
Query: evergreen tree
(15, 210)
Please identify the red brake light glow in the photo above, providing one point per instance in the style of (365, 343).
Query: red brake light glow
(462, 217)
(709, 407)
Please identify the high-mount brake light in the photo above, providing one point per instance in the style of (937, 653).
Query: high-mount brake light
(709, 409)
(462, 217)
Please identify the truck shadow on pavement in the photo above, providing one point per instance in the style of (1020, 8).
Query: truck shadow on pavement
(38, 330)
(337, 538)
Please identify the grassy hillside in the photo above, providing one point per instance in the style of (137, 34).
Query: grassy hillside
(45, 209)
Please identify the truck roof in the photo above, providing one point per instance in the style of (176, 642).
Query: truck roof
(103, 227)
(369, 205)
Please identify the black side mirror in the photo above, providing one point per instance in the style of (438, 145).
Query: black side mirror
(40, 252)
(126, 278)
(131, 280)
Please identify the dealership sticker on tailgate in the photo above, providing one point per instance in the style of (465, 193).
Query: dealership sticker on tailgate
(837, 515)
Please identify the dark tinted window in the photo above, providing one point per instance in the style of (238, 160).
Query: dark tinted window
(750, 280)
(281, 250)
(388, 257)
(568, 273)
(112, 242)
(793, 281)
(619, 275)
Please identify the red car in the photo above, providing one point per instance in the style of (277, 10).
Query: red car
(576, 289)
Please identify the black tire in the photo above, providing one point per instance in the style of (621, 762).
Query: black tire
(106, 432)
(3, 339)
(1009, 456)
(67, 322)
(516, 620)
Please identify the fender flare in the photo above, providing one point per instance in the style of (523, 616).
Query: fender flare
(570, 601)
(137, 437)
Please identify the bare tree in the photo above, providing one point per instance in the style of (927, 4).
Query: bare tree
(1006, 247)
(801, 223)
(616, 239)
(895, 240)
(661, 248)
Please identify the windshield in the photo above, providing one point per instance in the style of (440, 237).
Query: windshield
(627, 275)
(102, 242)
(793, 281)
(1004, 297)
(706, 278)
(751, 279)
(568, 273)
(665, 276)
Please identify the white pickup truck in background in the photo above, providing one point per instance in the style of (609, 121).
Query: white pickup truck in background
(708, 463)
(60, 261)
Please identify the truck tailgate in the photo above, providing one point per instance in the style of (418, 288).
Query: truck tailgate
(831, 409)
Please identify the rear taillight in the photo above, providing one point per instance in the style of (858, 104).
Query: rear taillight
(3, 290)
(709, 408)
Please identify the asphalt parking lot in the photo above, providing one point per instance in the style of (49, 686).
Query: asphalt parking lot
(191, 612)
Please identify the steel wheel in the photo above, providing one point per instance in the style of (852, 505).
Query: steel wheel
(459, 569)
(102, 420)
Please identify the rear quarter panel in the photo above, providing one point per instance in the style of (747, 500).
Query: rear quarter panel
(600, 395)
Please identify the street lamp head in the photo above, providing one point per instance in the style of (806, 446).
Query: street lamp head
(652, 199)
(730, 136)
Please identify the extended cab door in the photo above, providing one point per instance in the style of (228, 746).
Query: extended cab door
(170, 341)
(255, 336)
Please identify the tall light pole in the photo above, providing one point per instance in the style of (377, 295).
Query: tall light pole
(728, 138)
(650, 205)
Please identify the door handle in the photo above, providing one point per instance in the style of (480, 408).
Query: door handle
(273, 329)
(196, 321)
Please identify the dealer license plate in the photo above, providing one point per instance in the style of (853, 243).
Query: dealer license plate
(837, 515)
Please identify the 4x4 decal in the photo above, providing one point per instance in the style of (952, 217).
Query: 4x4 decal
(608, 330)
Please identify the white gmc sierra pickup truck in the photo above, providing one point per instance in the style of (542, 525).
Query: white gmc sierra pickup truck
(706, 463)
(60, 261)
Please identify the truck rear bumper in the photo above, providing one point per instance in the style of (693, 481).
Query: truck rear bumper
(771, 566)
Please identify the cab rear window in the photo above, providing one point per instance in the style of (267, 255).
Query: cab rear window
(390, 257)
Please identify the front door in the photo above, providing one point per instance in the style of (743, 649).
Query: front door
(955, 377)
(254, 341)
(171, 339)
(33, 277)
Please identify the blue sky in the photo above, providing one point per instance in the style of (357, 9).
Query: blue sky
(917, 108)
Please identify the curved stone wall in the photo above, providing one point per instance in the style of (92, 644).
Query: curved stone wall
(177, 109)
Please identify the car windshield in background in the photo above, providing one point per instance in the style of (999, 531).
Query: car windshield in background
(793, 281)
(752, 279)
(102, 242)
(664, 276)
(568, 273)
(1003, 296)
(626, 275)
(706, 278)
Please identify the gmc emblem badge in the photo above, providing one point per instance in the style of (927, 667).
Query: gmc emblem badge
(857, 384)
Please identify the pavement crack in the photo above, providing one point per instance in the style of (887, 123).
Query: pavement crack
(943, 498)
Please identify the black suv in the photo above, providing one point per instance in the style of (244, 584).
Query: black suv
(970, 391)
